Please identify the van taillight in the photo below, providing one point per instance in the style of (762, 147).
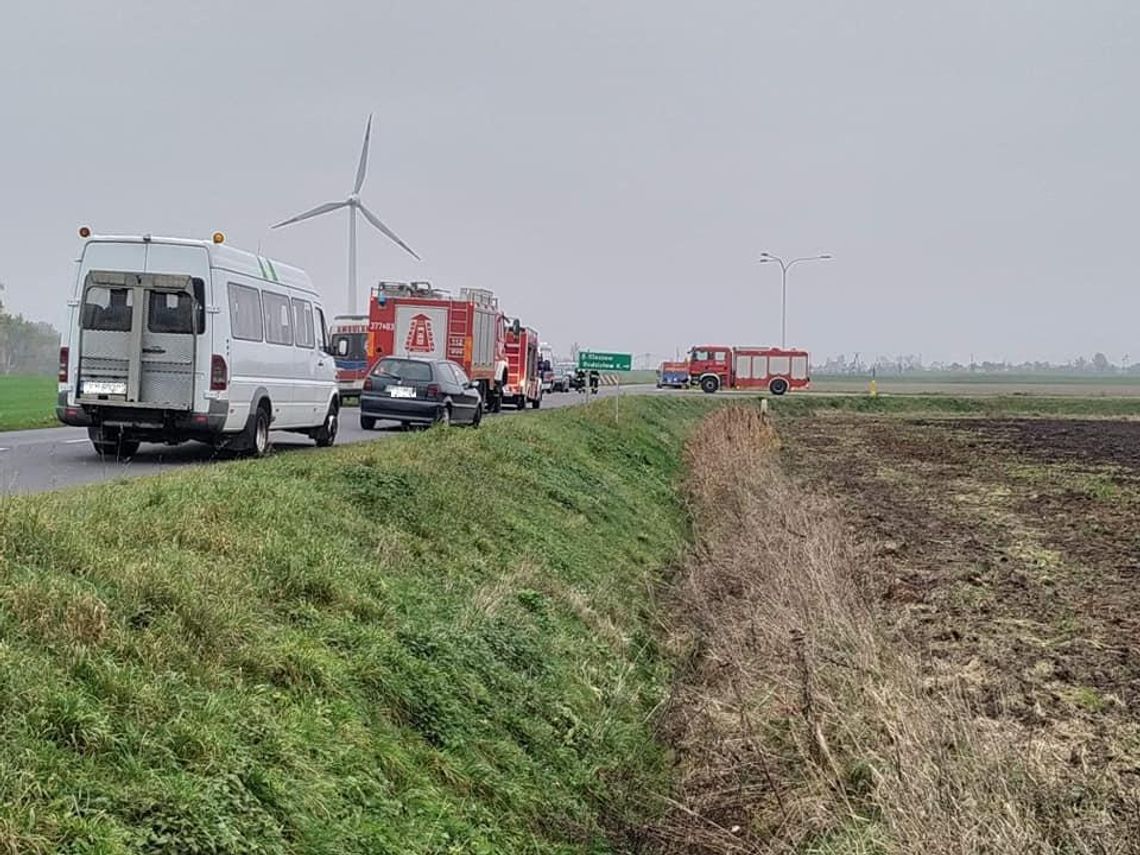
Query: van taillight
(219, 374)
(63, 355)
(433, 390)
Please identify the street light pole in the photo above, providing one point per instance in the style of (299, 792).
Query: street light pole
(785, 266)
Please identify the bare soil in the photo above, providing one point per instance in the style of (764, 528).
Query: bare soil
(1008, 555)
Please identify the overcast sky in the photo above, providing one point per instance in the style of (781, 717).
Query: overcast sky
(612, 168)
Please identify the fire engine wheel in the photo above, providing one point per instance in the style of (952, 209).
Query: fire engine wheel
(536, 403)
(710, 384)
(778, 386)
(520, 402)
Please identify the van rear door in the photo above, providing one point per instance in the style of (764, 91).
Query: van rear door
(142, 320)
(172, 318)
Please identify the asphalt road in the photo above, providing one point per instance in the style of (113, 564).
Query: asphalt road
(33, 461)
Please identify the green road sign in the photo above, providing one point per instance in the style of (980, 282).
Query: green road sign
(590, 361)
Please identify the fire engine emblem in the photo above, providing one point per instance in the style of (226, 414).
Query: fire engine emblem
(420, 338)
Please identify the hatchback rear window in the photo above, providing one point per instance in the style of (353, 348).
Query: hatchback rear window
(404, 369)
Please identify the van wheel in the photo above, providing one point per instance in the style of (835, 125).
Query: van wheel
(778, 386)
(257, 431)
(367, 423)
(710, 384)
(325, 435)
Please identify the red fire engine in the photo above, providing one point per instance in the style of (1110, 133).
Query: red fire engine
(776, 369)
(415, 319)
(524, 382)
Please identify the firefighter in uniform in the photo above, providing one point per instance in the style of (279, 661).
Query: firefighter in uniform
(595, 378)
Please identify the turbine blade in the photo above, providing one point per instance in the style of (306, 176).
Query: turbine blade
(375, 220)
(363, 167)
(315, 212)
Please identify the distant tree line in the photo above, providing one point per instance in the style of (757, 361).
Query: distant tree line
(27, 347)
(1099, 363)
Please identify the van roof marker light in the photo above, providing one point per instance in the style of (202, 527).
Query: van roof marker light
(219, 237)
(84, 232)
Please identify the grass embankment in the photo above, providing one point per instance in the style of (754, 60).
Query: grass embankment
(27, 402)
(958, 405)
(440, 643)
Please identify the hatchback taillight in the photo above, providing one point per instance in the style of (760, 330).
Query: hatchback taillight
(368, 384)
(219, 373)
(63, 357)
(433, 390)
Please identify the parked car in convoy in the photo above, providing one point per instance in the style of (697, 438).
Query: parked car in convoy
(563, 377)
(415, 391)
(170, 339)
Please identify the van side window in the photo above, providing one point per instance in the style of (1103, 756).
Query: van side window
(278, 318)
(245, 312)
(322, 330)
(107, 309)
(303, 321)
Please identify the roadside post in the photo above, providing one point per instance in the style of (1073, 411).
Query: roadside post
(589, 360)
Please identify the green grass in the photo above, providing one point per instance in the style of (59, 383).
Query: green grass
(439, 643)
(987, 378)
(27, 402)
(995, 405)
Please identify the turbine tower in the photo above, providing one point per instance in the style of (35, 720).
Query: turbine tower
(354, 206)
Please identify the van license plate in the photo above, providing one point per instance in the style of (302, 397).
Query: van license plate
(103, 387)
(401, 391)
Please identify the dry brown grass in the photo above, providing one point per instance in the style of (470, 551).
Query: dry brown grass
(799, 727)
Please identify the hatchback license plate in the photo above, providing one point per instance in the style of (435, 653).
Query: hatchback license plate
(401, 392)
(103, 387)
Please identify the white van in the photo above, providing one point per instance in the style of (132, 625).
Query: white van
(171, 339)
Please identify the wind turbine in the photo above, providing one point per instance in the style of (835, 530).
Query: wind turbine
(354, 206)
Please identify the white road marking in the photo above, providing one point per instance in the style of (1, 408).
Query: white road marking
(73, 441)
